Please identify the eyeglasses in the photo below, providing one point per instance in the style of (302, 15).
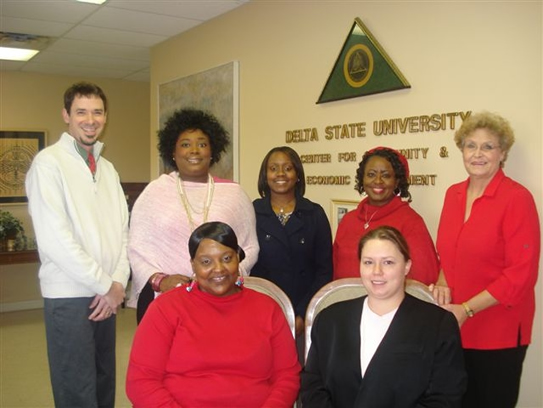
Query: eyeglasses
(485, 147)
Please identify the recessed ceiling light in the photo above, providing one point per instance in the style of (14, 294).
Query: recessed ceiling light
(16, 54)
(92, 1)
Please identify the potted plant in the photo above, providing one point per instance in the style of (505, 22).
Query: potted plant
(12, 233)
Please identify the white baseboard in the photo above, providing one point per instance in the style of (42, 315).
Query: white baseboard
(17, 306)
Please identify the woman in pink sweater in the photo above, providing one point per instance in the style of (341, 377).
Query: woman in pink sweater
(191, 142)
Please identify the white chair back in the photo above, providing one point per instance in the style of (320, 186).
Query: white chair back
(276, 293)
(346, 289)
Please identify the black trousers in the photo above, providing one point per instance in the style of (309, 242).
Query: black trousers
(493, 377)
(145, 298)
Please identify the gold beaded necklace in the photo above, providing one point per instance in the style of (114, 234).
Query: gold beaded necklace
(189, 209)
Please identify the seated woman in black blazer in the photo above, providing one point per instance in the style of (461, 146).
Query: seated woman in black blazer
(386, 349)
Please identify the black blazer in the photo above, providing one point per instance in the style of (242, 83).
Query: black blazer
(298, 256)
(419, 362)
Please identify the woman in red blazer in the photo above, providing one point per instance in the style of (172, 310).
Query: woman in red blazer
(489, 244)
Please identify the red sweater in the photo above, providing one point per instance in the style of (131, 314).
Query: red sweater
(496, 249)
(397, 214)
(199, 350)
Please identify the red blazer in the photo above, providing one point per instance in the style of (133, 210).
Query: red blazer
(496, 249)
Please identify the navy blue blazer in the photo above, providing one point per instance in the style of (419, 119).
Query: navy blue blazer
(419, 362)
(297, 257)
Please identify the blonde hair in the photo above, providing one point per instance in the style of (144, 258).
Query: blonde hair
(492, 122)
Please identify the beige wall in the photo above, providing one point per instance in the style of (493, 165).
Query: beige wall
(34, 102)
(457, 56)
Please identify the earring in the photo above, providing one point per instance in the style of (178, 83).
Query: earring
(191, 286)
(240, 281)
(192, 283)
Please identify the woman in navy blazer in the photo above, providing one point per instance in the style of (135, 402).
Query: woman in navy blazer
(386, 349)
(293, 232)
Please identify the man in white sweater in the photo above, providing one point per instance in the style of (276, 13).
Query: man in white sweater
(80, 218)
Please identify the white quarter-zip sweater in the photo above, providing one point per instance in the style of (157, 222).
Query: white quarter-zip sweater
(80, 222)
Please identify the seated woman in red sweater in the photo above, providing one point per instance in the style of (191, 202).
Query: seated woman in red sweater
(199, 345)
(383, 177)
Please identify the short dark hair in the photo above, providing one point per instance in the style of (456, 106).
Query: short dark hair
(191, 119)
(86, 89)
(217, 231)
(392, 157)
(386, 233)
(264, 188)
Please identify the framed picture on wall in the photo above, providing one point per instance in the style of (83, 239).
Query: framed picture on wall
(17, 149)
(338, 210)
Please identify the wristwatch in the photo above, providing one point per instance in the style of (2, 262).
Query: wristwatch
(468, 310)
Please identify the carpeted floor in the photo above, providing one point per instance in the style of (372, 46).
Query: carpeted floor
(24, 372)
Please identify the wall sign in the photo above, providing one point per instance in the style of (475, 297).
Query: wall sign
(353, 131)
(362, 68)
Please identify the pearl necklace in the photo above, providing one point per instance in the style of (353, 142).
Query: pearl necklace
(188, 206)
(367, 224)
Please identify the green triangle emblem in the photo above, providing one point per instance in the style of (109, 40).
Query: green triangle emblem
(362, 68)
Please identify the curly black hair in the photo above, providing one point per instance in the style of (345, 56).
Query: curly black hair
(191, 119)
(397, 166)
(263, 186)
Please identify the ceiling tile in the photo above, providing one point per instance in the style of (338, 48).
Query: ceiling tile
(34, 27)
(62, 11)
(112, 40)
(136, 21)
(197, 10)
(107, 35)
(11, 65)
(141, 76)
(100, 49)
(75, 71)
(61, 58)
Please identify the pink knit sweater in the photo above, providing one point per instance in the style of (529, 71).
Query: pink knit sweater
(160, 229)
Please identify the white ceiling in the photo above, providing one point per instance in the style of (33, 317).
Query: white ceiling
(111, 40)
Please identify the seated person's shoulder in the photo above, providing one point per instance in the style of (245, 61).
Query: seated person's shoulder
(341, 309)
